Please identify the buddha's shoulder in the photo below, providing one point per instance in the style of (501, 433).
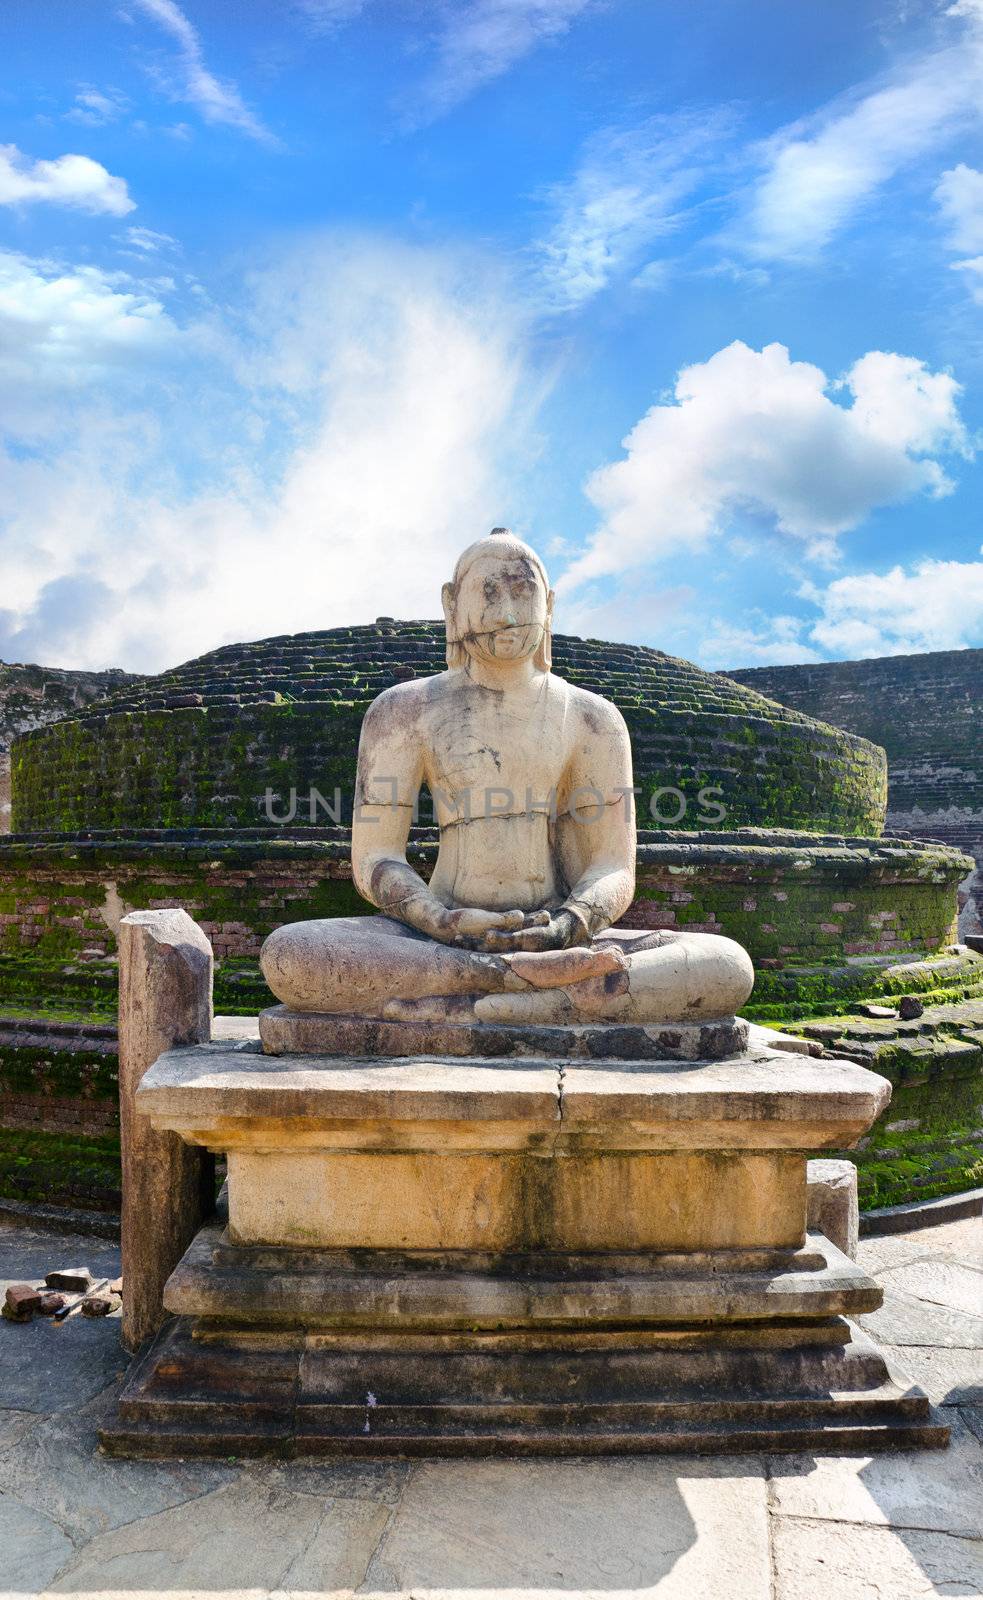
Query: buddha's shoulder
(593, 710)
(406, 702)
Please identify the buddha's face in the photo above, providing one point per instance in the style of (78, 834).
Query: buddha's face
(502, 608)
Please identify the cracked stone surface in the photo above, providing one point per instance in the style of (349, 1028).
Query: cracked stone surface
(823, 1561)
(884, 1527)
(247, 1536)
(670, 1528)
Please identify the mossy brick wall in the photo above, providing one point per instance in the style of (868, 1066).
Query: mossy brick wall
(798, 902)
(33, 696)
(927, 713)
(59, 1114)
(201, 746)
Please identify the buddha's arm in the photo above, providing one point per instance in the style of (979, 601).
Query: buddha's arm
(597, 834)
(387, 783)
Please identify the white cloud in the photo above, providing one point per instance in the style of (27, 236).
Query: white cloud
(68, 181)
(625, 193)
(973, 269)
(372, 416)
(959, 194)
(480, 40)
(754, 432)
(94, 107)
(934, 605)
(633, 614)
(217, 100)
(818, 174)
(63, 324)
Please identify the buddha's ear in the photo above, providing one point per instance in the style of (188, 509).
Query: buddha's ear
(455, 652)
(544, 655)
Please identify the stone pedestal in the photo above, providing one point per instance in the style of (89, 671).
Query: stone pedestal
(513, 1256)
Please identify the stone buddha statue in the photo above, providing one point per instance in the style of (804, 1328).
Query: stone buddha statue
(531, 781)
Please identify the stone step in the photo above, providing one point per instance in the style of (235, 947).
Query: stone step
(304, 1401)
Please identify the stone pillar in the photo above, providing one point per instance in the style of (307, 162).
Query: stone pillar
(165, 999)
(833, 1207)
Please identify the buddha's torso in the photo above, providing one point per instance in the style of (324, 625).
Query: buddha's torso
(496, 765)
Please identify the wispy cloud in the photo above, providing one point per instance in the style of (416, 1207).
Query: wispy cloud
(218, 100)
(148, 241)
(326, 14)
(771, 641)
(94, 107)
(480, 40)
(626, 192)
(818, 174)
(61, 324)
(754, 431)
(69, 180)
(959, 194)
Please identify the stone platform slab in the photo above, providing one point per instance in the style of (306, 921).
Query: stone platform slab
(230, 1096)
(394, 1292)
(512, 1154)
(287, 1032)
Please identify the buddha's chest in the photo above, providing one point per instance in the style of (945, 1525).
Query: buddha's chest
(485, 744)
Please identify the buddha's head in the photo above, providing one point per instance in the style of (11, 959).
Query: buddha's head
(499, 604)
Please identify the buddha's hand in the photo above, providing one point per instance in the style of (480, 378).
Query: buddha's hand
(471, 929)
(541, 932)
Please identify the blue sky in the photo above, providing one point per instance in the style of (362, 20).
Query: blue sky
(298, 298)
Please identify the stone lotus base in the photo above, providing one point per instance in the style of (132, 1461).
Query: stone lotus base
(286, 1032)
(427, 1257)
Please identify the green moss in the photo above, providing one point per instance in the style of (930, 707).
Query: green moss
(60, 1169)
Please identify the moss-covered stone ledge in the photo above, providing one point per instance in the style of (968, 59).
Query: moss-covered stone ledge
(930, 1140)
(820, 903)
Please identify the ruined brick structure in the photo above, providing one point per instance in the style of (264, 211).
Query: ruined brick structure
(199, 746)
(927, 713)
(34, 697)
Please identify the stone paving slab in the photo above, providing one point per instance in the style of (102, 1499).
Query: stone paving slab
(962, 1239)
(32, 1548)
(13, 1426)
(949, 1377)
(841, 1561)
(886, 1490)
(678, 1530)
(943, 1283)
(904, 1319)
(888, 1527)
(246, 1537)
(56, 1470)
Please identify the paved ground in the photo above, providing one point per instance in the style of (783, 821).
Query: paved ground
(750, 1528)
